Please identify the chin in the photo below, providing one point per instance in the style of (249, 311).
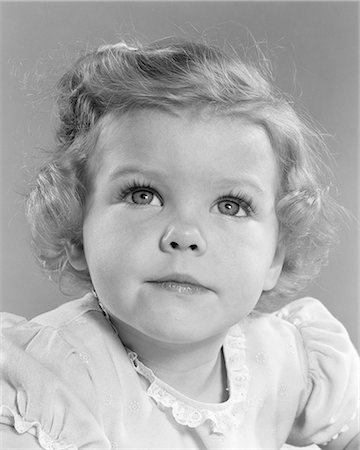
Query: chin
(181, 334)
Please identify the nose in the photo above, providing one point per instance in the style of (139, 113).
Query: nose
(183, 237)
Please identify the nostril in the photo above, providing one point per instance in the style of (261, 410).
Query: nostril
(175, 246)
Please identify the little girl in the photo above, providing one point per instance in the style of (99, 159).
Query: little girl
(186, 195)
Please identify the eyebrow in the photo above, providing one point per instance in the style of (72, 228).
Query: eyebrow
(245, 180)
(131, 170)
(223, 183)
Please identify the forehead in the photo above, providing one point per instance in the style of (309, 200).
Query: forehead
(185, 143)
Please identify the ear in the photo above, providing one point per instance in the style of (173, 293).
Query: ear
(275, 269)
(76, 255)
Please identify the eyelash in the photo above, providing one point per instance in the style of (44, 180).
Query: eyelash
(242, 199)
(134, 186)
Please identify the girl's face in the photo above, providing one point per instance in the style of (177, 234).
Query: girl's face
(180, 233)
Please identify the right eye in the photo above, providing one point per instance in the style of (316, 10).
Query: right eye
(142, 197)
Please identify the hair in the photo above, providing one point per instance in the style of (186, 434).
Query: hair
(172, 75)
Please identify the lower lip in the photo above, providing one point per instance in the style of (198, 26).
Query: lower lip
(180, 288)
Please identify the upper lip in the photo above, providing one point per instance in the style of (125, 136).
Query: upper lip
(179, 278)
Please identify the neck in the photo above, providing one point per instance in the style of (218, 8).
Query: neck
(197, 370)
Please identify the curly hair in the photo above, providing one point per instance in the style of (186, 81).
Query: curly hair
(171, 75)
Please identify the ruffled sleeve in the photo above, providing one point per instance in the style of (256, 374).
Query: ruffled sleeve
(332, 370)
(39, 370)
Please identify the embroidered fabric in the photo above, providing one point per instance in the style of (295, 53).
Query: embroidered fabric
(224, 416)
(34, 427)
(221, 417)
(345, 428)
(305, 314)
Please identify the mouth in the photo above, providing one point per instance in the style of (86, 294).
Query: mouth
(181, 284)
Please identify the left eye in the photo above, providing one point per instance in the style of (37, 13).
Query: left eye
(232, 207)
(143, 197)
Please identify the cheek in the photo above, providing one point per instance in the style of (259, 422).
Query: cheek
(245, 256)
(112, 245)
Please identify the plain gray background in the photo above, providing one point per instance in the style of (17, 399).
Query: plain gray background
(314, 46)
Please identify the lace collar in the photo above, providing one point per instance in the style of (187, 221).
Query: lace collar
(221, 416)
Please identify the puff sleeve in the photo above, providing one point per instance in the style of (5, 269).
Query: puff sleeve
(332, 370)
(39, 370)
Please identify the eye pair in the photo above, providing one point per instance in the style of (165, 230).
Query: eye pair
(229, 205)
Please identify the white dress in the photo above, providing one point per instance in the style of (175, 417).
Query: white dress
(67, 379)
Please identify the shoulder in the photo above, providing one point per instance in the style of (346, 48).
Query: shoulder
(65, 316)
(305, 322)
(47, 386)
(69, 313)
(58, 341)
(327, 359)
(326, 343)
(52, 339)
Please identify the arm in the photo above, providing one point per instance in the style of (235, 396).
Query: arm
(10, 439)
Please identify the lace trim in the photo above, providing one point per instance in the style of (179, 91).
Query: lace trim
(344, 429)
(34, 428)
(223, 416)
